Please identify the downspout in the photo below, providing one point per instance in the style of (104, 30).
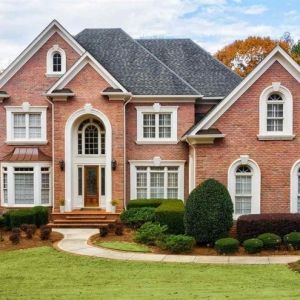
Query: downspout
(124, 155)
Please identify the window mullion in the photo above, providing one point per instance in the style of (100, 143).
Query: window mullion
(165, 182)
(148, 182)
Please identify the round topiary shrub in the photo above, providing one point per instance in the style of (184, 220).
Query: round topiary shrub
(292, 239)
(227, 245)
(208, 213)
(252, 246)
(178, 243)
(270, 240)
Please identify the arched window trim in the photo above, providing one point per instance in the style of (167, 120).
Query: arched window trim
(101, 131)
(256, 183)
(287, 101)
(51, 52)
(294, 187)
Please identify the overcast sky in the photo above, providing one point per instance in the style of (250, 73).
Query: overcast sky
(211, 23)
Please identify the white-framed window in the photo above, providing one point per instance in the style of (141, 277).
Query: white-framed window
(244, 186)
(26, 124)
(295, 188)
(156, 124)
(26, 184)
(276, 113)
(56, 61)
(91, 138)
(149, 180)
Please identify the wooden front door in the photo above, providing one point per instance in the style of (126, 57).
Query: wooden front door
(91, 186)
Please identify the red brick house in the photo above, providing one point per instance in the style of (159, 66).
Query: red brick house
(100, 116)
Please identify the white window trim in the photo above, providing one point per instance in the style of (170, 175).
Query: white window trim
(287, 133)
(37, 183)
(49, 62)
(25, 108)
(294, 187)
(156, 109)
(256, 183)
(156, 162)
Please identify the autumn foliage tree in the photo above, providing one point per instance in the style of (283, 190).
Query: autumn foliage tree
(242, 56)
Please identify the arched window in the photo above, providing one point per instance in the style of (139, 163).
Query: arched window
(244, 186)
(56, 62)
(295, 188)
(276, 113)
(91, 137)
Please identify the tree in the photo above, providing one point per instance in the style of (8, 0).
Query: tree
(208, 213)
(242, 56)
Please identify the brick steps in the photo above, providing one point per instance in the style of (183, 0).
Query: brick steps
(75, 225)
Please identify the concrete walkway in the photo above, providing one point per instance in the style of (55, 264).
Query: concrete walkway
(75, 241)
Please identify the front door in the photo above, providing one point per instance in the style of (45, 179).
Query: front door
(91, 186)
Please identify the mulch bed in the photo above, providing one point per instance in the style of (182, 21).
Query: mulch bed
(6, 244)
(128, 236)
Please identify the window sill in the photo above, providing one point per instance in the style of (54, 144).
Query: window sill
(27, 142)
(157, 142)
(54, 74)
(275, 137)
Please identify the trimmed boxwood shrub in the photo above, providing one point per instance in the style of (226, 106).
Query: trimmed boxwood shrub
(150, 233)
(270, 240)
(252, 246)
(208, 213)
(250, 226)
(171, 213)
(227, 245)
(41, 215)
(136, 217)
(144, 203)
(292, 239)
(178, 243)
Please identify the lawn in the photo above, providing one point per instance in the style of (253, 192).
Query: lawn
(44, 273)
(124, 246)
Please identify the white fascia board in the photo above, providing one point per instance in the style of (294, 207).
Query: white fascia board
(277, 54)
(78, 66)
(35, 45)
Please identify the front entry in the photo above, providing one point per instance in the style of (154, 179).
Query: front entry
(91, 184)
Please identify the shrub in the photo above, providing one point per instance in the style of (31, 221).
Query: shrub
(14, 238)
(178, 243)
(227, 245)
(24, 227)
(144, 203)
(103, 231)
(171, 213)
(119, 228)
(16, 230)
(136, 217)
(250, 226)
(270, 240)
(45, 232)
(41, 215)
(2, 225)
(253, 246)
(21, 216)
(29, 233)
(208, 212)
(292, 239)
(32, 227)
(150, 233)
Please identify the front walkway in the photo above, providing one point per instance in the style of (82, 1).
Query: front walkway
(76, 241)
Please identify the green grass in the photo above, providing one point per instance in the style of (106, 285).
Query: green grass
(44, 273)
(124, 246)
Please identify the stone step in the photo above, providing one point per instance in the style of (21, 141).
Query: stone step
(83, 221)
(91, 217)
(75, 225)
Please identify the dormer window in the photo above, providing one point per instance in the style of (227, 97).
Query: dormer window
(56, 61)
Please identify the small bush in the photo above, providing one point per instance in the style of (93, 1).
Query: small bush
(119, 228)
(252, 246)
(16, 230)
(24, 227)
(292, 239)
(136, 217)
(14, 238)
(150, 233)
(178, 243)
(171, 213)
(103, 231)
(271, 241)
(32, 227)
(41, 215)
(227, 245)
(45, 232)
(250, 226)
(144, 203)
(29, 233)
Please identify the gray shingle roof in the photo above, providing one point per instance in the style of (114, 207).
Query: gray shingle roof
(192, 63)
(139, 71)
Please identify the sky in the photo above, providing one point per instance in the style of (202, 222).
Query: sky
(211, 23)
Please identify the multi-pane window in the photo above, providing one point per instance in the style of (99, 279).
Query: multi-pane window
(243, 189)
(24, 185)
(275, 118)
(56, 62)
(91, 139)
(27, 126)
(156, 125)
(5, 193)
(157, 182)
(45, 185)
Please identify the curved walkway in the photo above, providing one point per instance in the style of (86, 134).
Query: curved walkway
(76, 241)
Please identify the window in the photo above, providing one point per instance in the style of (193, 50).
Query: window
(103, 181)
(56, 61)
(156, 124)
(90, 135)
(26, 185)
(26, 124)
(244, 186)
(80, 182)
(276, 113)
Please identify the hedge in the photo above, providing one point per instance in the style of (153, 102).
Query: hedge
(250, 226)
(171, 213)
(144, 203)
